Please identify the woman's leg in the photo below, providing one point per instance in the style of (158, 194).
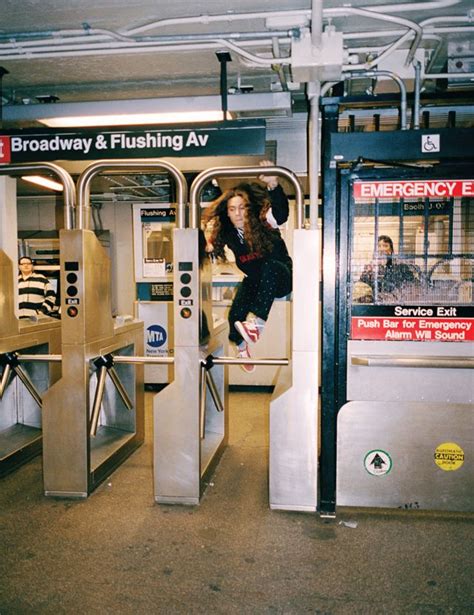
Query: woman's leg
(241, 306)
(275, 281)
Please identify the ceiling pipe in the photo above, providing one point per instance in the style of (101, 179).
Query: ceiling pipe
(3, 72)
(316, 23)
(416, 99)
(396, 78)
(278, 68)
(314, 150)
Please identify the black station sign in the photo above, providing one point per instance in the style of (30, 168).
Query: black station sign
(240, 137)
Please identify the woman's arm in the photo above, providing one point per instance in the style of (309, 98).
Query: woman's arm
(280, 209)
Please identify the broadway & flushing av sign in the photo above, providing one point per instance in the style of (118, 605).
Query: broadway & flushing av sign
(246, 137)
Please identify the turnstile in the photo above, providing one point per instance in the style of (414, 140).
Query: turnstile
(182, 454)
(77, 458)
(94, 416)
(25, 346)
(22, 383)
(190, 427)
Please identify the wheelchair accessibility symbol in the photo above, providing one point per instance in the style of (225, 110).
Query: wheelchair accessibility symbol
(430, 144)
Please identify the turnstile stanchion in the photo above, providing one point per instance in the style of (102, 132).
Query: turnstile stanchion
(190, 427)
(73, 462)
(294, 404)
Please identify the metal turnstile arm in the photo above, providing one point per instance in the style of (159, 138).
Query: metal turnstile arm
(7, 370)
(214, 392)
(105, 365)
(120, 388)
(99, 395)
(10, 362)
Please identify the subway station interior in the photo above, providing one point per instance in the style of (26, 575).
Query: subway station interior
(148, 464)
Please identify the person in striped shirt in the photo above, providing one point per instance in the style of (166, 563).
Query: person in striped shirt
(35, 292)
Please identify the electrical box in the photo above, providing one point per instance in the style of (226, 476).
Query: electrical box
(310, 63)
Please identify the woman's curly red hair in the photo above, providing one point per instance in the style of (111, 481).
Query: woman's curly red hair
(258, 234)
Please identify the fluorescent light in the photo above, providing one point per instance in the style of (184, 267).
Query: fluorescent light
(43, 181)
(133, 119)
(150, 110)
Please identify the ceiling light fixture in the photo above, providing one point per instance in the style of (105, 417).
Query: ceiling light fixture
(149, 110)
(133, 119)
(43, 181)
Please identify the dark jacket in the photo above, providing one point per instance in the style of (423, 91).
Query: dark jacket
(250, 262)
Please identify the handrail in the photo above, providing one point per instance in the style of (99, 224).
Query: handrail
(138, 164)
(205, 176)
(63, 176)
(407, 361)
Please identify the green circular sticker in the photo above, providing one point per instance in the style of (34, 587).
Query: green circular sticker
(378, 462)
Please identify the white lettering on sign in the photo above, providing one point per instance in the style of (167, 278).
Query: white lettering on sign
(414, 189)
(196, 140)
(113, 141)
(56, 144)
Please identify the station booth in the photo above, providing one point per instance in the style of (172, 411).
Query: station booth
(29, 347)
(398, 321)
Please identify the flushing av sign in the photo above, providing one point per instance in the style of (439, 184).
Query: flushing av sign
(226, 138)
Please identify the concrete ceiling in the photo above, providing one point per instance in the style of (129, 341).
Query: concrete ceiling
(79, 51)
(90, 50)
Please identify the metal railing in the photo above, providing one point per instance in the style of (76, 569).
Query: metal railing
(203, 177)
(138, 165)
(62, 175)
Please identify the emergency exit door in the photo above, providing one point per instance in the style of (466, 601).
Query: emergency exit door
(407, 319)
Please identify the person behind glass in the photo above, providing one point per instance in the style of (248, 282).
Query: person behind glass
(387, 275)
(246, 220)
(35, 292)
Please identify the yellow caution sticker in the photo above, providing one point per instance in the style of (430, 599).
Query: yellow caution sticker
(449, 456)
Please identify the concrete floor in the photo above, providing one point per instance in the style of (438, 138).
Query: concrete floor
(118, 552)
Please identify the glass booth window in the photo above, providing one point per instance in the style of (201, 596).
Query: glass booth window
(412, 242)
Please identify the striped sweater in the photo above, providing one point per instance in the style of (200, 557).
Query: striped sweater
(36, 295)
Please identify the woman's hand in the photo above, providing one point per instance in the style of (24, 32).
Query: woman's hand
(270, 180)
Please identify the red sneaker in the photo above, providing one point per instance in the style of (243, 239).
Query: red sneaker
(245, 354)
(248, 330)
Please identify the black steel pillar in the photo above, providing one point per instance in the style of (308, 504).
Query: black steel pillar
(224, 57)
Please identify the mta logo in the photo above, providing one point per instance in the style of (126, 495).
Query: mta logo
(155, 336)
